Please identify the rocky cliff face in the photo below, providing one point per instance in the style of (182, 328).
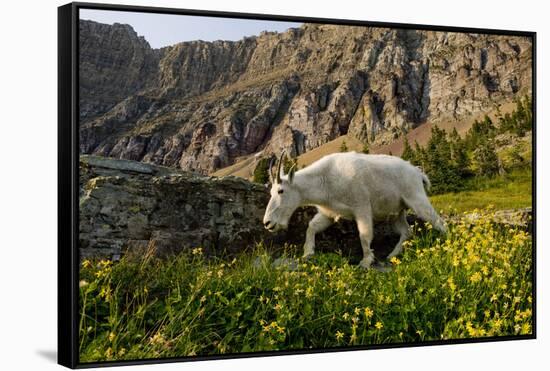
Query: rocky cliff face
(115, 63)
(202, 105)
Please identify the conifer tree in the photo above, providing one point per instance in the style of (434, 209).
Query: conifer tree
(459, 154)
(343, 147)
(486, 159)
(408, 152)
(261, 172)
(443, 173)
(288, 162)
(419, 158)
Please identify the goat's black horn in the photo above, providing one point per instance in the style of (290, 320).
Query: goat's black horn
(279, 164)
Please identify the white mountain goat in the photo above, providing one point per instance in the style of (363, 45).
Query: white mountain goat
(350, 185)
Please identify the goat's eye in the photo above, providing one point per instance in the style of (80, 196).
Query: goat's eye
(280, 191)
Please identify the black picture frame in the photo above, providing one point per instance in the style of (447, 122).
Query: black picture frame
(68, 153)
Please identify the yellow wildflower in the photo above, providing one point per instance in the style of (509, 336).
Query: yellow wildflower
(476, 277)
(395, 261)
(368, 312)
(379, 325)
(157, 339)
(451, 283)
(105, 263)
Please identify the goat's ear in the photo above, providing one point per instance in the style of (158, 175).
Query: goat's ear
(291, 173)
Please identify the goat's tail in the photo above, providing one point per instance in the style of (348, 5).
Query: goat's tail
(425, 180)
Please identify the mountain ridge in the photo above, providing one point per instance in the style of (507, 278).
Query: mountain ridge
(202, 106)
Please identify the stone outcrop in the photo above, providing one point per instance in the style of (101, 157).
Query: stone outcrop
(132, 206)
(202, 106)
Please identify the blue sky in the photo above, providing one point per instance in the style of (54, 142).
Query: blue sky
(168, 29)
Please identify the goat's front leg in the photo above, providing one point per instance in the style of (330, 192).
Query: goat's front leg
(319, 223)
(365, 227)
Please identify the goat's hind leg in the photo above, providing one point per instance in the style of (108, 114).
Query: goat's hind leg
(319, 223)
(400, 226)
(365, 227)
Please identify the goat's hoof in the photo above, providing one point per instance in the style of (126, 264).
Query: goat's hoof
(307, 256)
(382, 267)
(365, 263)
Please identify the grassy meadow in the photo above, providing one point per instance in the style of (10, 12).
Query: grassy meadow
(474, 282)
(511, 191)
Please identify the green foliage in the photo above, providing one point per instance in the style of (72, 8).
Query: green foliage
(486, 161)
(451, 288)
(459, 154)
(516, 157)
(408, 152)
(288, 162)
(365, 150)
(520, 121)
(343, 147)
(513, 190)
(450, 160)
(480, 132)
(439, 159)
(261, 172)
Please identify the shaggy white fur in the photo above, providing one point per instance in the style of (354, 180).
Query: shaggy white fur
(350, 185)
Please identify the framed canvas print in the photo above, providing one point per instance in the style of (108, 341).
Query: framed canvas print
(235, 185)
